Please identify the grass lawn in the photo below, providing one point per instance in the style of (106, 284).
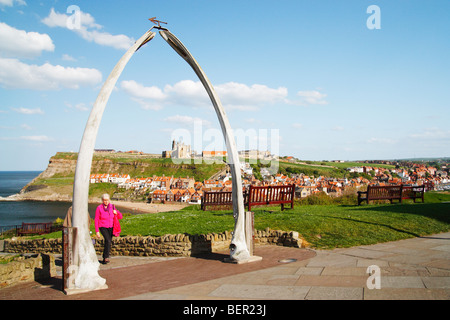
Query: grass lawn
(323, 226)
(332, 226)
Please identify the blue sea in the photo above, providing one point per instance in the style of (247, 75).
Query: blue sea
(15, 212)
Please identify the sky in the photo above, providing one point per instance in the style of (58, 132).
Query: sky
(317, 80)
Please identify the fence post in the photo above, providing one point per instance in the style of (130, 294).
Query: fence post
(293, 196)
(401, 193)
(250, 193)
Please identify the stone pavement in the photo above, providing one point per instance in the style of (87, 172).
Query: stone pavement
(417, 268)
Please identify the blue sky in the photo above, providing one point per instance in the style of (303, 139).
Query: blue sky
(309, 74)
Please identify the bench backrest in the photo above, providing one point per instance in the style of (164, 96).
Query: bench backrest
(217, 198)
(384, 192)
(271, 194)
(36, 227)
(413, 191)
(256, 195)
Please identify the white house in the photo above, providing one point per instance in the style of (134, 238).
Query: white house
(118, 178)
(356, 169)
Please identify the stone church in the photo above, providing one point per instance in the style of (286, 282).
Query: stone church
(179, 151)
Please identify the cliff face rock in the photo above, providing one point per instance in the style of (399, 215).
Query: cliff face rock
(64, 164)
(56, 182)
(58, 166)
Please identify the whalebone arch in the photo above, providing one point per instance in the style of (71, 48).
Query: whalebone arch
(87, 266)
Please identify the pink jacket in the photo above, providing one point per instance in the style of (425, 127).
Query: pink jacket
(105, 218)
(116, 226)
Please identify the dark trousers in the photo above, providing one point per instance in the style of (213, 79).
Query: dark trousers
(107, 235)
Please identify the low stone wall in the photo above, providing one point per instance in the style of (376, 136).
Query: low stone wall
(23, 245)
(23, 269)
(168, 245)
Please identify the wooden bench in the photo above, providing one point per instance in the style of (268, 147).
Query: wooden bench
(411, 192)
(216, 199)
(397, 192)
(256, 196)
(35, 228)
(266, 195)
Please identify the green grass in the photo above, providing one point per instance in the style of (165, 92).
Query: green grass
(327, 169)
(323, 226)
(345, 165)
(189, 220)
(136, 166)
(8, 259)
(331, 226)
(98, 189)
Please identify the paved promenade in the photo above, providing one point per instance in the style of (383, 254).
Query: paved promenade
(417, 268)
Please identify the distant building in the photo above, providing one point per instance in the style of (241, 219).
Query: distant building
(179, 151)
(356, 169)
(105, 150)
(255, 154)
(212, 154)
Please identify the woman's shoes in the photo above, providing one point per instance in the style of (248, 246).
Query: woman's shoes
(106, 261)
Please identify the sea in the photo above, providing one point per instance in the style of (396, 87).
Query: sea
(13, 213)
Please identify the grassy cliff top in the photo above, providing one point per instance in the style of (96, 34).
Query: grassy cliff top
(145, 165)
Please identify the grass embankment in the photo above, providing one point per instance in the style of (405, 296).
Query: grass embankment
(137, 166)
(327, 169)
(324, 226)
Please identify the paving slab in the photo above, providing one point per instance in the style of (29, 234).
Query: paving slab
(436, 282)
(406, 294)
(261, 292)
(370, 262)
(335, 293)
(401, 282)
(333, 259)
(344, 271)
(332, 281)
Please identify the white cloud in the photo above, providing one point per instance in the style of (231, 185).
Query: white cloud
(10, 3)
(28, 111)
(338, 128)
(19, 43)
(192, 94)
(88, 30)
(148, 105)
(55, 19)
(312, 98)
(67, 57)
(137, 90)
(28, 138)
(26, 127)
(382, 140)
(238, 95)
(252, 120)
(432, 133)
(17, 75)
(119, 41)
(79, 106)
(36, 138)
(186, 120)
(187, 89)
(297, 125)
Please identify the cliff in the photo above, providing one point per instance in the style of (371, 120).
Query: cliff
(55, 183)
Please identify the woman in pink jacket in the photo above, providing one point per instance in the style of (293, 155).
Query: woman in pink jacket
(104, 223)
